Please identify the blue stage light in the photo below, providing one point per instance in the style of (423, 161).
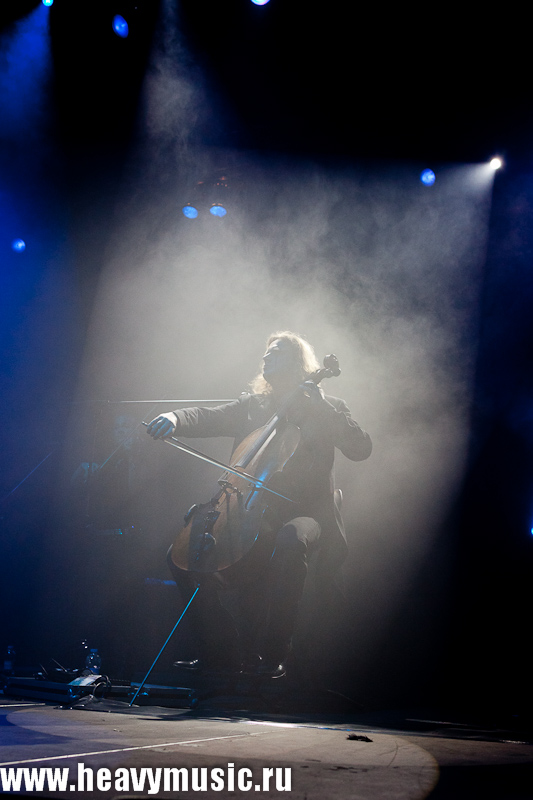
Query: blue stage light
(48, 2)
(427, 177)
(260, 2)
(18, 245)
(120, 26)
(218, 210)
(190, 211)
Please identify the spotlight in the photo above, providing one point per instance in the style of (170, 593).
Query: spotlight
(260, 2)
(496, 163)
(18, 245)
(48, 2)
(190, 211)
(120, 26)
(217, 210)
(427, 177)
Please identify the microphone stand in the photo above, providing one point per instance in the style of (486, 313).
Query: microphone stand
(169, 637)
(36, 467)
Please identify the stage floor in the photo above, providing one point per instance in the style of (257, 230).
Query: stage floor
(380, 755)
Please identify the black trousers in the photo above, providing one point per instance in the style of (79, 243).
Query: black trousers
(262, 618)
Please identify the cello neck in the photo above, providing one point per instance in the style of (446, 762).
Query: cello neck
(330, 369)
(263, 435)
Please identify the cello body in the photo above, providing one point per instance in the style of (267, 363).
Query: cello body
(253, 499)
(220, 534)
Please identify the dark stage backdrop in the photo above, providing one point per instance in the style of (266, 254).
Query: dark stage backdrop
(423, 292)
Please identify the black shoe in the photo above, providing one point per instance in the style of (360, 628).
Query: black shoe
(251, 663)
(206, 667)
(191, 666)
(269, 669)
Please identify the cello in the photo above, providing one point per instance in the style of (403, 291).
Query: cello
(251, 498)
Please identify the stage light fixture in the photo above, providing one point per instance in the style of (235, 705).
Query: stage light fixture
(48, 2)
(496, 163)
(260, 2)
(18, 245)
(427, 176)
(120, 26)
(217, 210)
(190, 211)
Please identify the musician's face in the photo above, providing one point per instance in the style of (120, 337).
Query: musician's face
(278, 362)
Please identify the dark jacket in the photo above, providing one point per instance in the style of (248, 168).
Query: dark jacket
(322, 428)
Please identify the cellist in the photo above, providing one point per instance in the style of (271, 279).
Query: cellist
(267, 603)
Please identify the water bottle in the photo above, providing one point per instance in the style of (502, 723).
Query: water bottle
(9, 660)
(93, 661)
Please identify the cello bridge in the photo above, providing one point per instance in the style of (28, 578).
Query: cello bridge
(228, 487)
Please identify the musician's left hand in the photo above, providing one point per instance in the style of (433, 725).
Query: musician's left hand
(315, 395)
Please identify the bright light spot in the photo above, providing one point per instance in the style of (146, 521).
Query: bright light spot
(260, 2)
(48, 2)
(496, 163)
(120, 26)
(18, 245)
(190, 211)
(427, 177)
(218, 211)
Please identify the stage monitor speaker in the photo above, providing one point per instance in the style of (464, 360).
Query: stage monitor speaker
(52, 691)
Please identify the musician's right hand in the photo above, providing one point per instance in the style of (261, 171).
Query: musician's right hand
(162, 426)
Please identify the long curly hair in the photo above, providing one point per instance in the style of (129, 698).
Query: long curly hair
(304, 358)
